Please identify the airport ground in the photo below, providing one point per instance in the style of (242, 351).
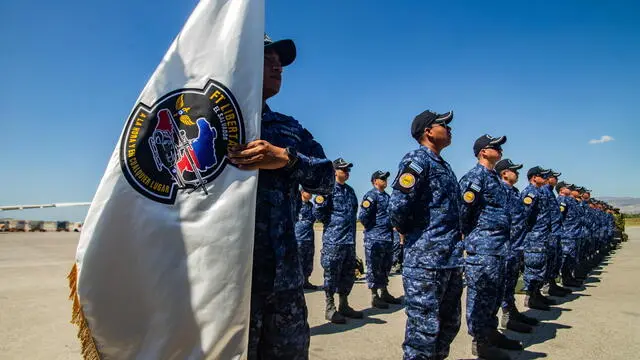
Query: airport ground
(599, 321)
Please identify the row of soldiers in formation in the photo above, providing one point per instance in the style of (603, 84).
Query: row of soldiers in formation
(500, 229)
(503, 230)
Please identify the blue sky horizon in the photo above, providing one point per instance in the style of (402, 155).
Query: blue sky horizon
(559, 79)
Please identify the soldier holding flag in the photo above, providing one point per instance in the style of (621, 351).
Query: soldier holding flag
(287, 157)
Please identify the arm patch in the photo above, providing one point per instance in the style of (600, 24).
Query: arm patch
(408, 178)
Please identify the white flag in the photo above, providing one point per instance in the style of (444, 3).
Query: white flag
(163, 266)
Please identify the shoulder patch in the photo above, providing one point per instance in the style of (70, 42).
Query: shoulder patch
(407, 180)
(527, 200)
(469, 197)
(366, 204)
(475, 187)
(416, 167)
(319, 199)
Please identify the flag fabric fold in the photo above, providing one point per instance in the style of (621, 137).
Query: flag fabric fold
(163, 264)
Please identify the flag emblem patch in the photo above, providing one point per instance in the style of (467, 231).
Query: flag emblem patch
(180, 142)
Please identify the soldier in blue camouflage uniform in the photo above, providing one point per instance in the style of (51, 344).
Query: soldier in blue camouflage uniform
(554, 249)
(338, 212)
(582, 267)
(378, 240)
(537, 231)
(570, 233)
(485, 222)
(305, 237)
(512, 319)
(424, 208)
(286, 156)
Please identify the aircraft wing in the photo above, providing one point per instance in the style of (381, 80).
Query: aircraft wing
(42, 206)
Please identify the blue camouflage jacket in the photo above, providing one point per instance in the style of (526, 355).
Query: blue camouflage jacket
(537, 219)
(374, 216)
(275, 257)
(424, 207)
(338, 214)
(484, 216)
(554, 208)
(571, 218)
(304, 225)
(586, 219)
(516, 210)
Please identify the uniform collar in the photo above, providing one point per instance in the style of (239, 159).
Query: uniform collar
(431, 154)
(483, 168)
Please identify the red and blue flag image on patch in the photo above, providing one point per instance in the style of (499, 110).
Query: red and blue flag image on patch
(174, 152)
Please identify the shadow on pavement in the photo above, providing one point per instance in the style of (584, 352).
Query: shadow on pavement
(553, 314)
(568, 298)
(529, 355)
(591, 279)
(329, 328)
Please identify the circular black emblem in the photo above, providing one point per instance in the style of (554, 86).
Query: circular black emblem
(180, 142)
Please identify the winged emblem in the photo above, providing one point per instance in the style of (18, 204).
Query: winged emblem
(182, 112)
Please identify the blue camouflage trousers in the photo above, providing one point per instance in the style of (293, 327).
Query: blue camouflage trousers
(278, 327)
(535, 269)
(433, 308)
(485, 285)
(512, 264)
(398, 253)
(306, 250)
(379, 257)
(339, 263)
(554, 258)
(569, 257)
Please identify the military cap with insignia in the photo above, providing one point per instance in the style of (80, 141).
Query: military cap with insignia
(537, 171)
(505, 164)
(554, 173)
(427, 118)
(379, 174)
(488, 142)
(560, 185)
(341, 164)
(286, 49)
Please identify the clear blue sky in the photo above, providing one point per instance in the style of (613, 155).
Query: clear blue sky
(551, 75)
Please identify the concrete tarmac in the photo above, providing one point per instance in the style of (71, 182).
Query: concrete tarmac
(600, 321)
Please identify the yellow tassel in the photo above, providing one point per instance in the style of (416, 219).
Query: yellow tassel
(89, 350)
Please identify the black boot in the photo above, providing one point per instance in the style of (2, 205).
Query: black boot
(533, 302)
(523, 318)
(545, 299)
(485, 350)
(384, 295)
(331, 313)
(500, 340)
(509, 320)
(376, 301)
(346, 310)
(558, 289)
(571, 282)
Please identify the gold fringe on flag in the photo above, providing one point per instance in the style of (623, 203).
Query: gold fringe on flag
(89, 350)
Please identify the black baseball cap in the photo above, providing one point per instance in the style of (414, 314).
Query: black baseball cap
(554, 173)
(379, 174)
(562, 184)
(505, 164)
(536, 171)
(487, 141)
(426, 119)
(340, 163)
(285, 49)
